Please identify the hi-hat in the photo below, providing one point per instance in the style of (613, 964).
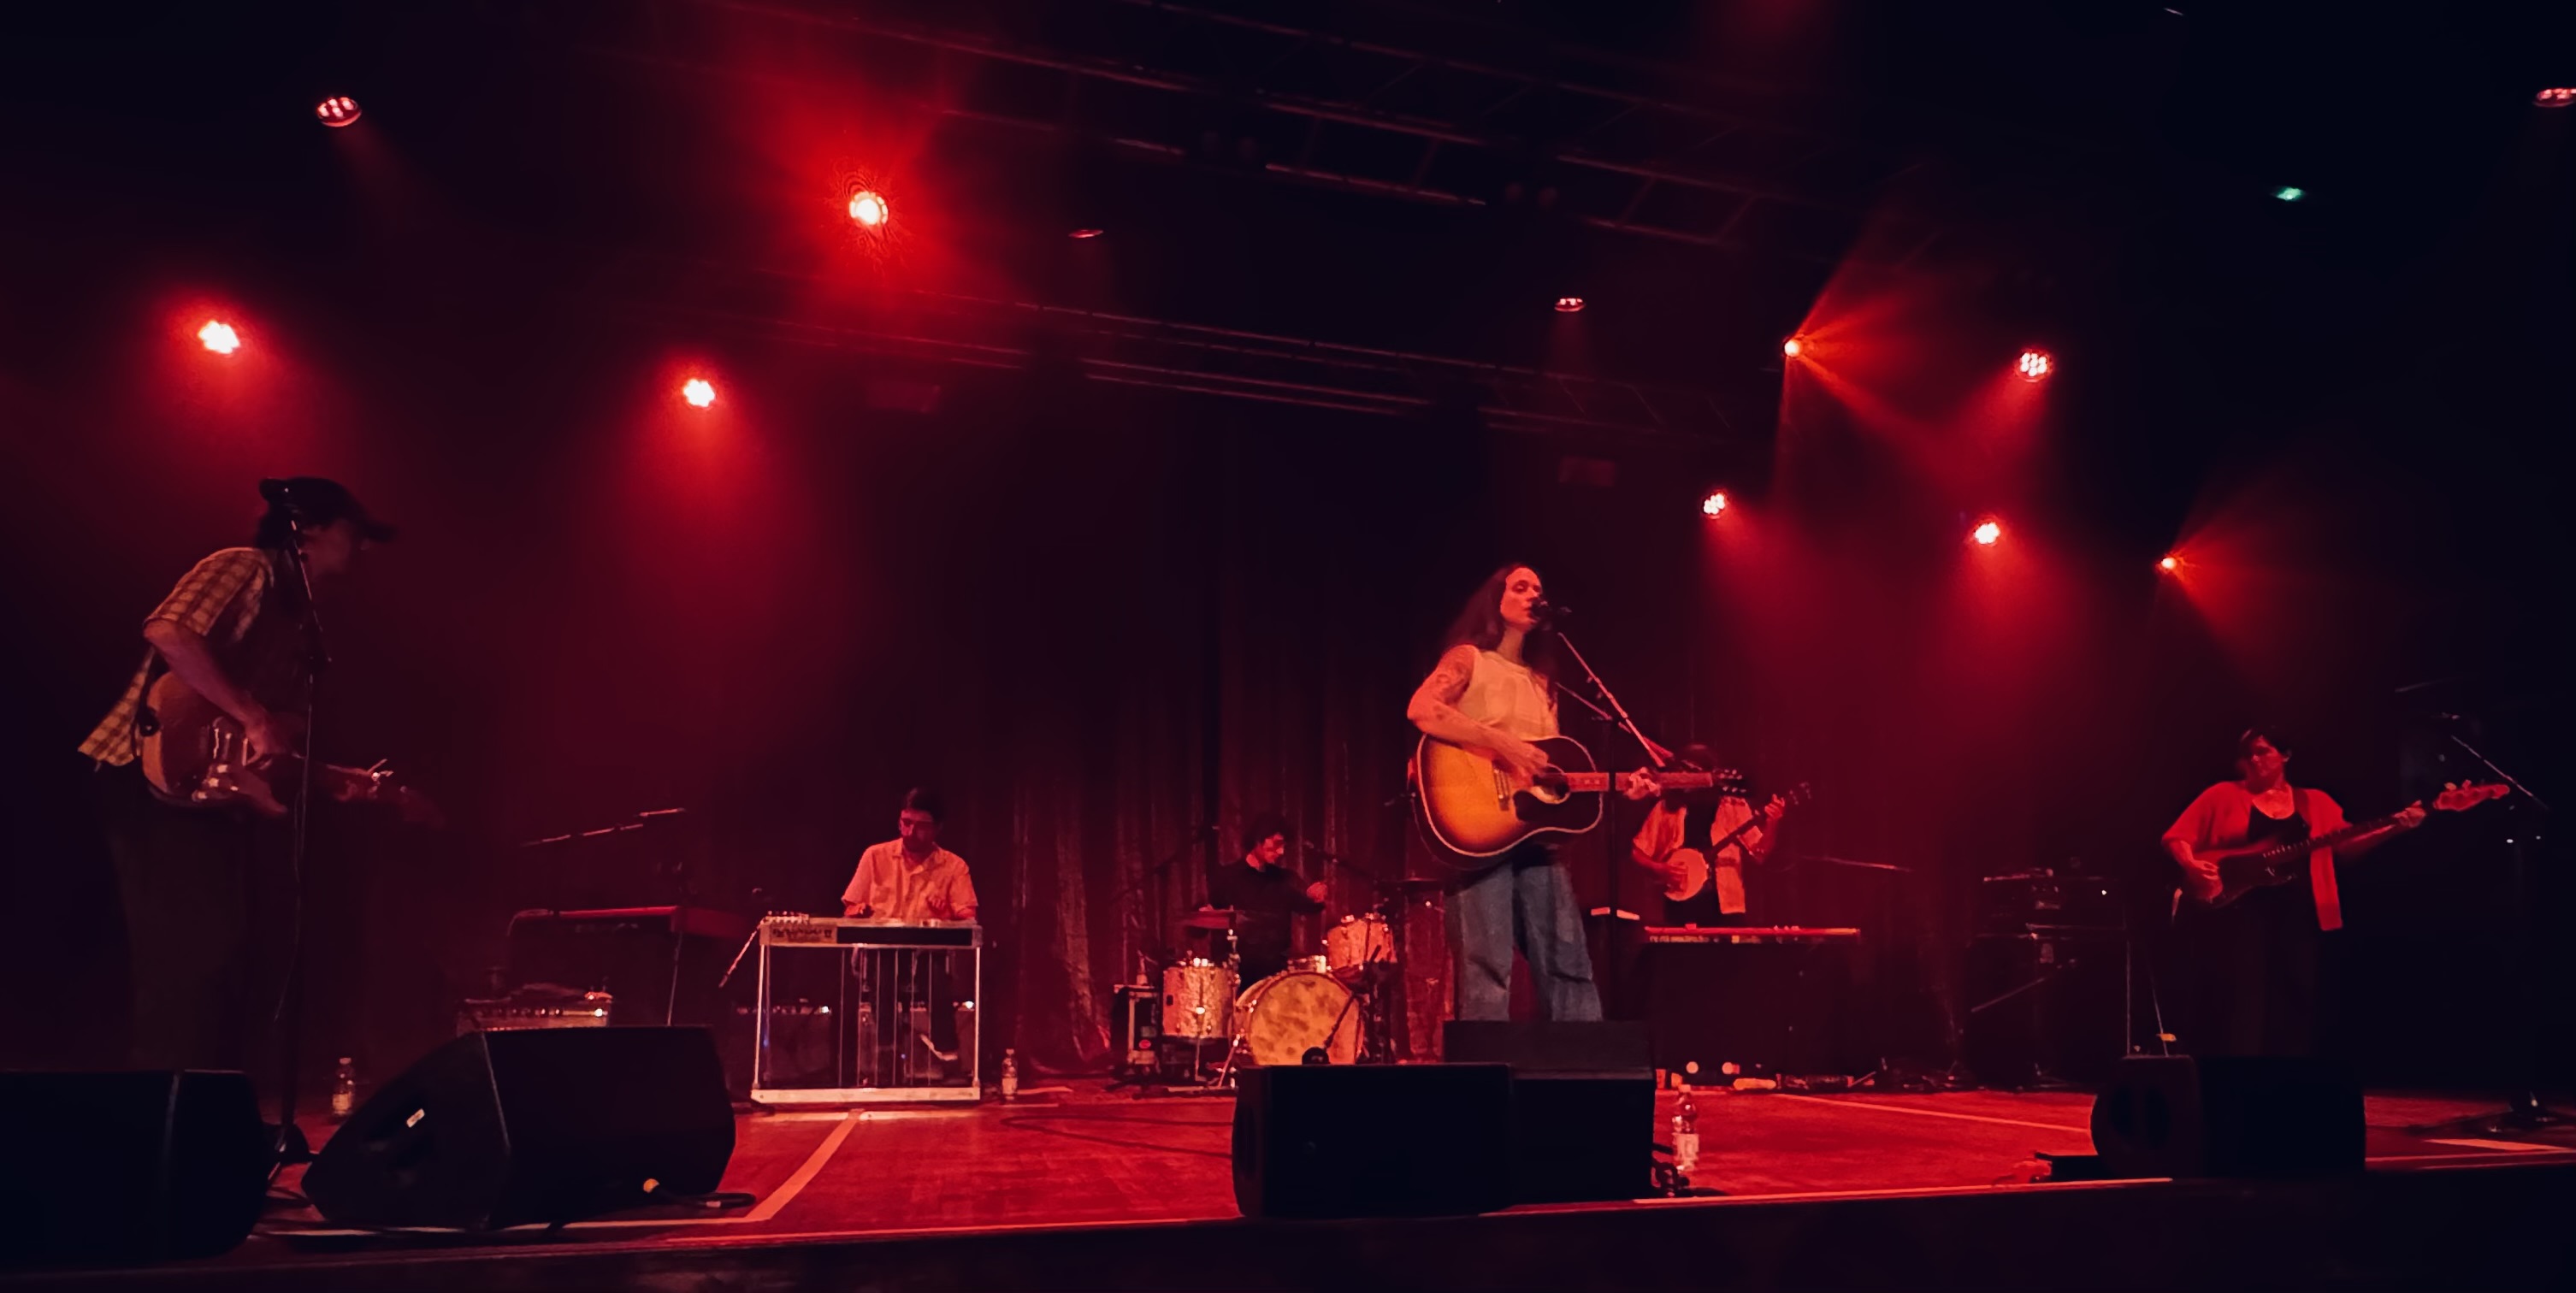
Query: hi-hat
(1211, 918)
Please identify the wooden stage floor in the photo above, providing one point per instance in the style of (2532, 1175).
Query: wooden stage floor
(1083, 1158)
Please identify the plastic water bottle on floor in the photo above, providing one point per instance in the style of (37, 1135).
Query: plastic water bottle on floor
(344, 1088)
(1010, 1073)
(1685, 1134)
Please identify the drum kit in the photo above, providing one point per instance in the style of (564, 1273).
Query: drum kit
(1331, 1008)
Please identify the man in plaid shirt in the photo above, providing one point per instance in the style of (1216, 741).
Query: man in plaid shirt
(235, 631)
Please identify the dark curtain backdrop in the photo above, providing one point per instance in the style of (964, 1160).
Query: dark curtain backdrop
(1110, 623)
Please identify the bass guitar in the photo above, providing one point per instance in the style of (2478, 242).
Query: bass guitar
(193, 756)
(2245, 868)
(1686, 870)
(1474, 808)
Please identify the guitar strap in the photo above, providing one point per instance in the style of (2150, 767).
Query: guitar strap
(2321, 869)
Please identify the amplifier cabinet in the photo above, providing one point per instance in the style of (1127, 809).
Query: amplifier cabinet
(1762, 1000)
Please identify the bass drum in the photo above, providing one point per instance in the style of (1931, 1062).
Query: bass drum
(1291, 1012)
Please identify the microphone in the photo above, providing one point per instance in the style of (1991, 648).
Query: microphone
(1548, 612)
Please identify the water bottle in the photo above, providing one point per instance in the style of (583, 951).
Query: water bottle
(344, 1088)
(1010, 1073)
(1685, 1134)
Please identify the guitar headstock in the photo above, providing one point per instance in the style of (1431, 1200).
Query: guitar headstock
(2456, 796)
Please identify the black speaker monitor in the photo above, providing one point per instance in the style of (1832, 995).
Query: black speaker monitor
(128, 1166)
(1339, 1140)
(539, 1125)
(1583, 1104)
(2229, 1116)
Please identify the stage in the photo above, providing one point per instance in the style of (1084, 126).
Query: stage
(1074, 1186)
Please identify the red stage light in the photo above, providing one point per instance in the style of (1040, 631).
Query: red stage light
(1714, 505)
(336, 112)
(2169, 564)
(2556, 96)
(868, 207)
(698, 391)
(1569, 305)
(2034, 365)
(1986, 533)
(1085, 233)
(219, 337)
(1791, 347)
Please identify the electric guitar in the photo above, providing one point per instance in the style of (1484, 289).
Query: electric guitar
(192, 757)
(2244, 868)
(1475, 809)
(1686, 870)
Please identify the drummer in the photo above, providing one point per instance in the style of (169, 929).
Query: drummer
(1267, 895)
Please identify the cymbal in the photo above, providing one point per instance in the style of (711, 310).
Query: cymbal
(1211, 918)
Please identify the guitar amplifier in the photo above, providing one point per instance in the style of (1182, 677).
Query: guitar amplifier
(1763, 998)
(631, 953)
(531, 1010)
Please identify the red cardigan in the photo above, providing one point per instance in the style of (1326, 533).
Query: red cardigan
(2221, 817)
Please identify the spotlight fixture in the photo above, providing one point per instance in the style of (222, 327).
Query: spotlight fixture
(1714, 505)
(2289, 193)
(2556, 96)
(1569, 305)
(1085, 233)
(1986, 533)
(219, 337)
(2034, 365)
(1792, 346)
(868, 207)
(698, 391)
(340, 110)
(2170, 564)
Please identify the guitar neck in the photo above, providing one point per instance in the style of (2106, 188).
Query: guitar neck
(1604, 782)
(2331, 839)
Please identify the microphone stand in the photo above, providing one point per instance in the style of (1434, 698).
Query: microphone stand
(290, 1145)
(2523, 1111)
(1619, 717)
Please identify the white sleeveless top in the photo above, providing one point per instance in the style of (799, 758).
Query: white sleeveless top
(1508, 696)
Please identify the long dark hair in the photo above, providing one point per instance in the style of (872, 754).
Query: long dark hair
(1480, 625)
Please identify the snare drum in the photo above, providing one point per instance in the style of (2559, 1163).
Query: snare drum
(1198, 1000)
(1311, 964)
(1357, 944)
(1293, 1011)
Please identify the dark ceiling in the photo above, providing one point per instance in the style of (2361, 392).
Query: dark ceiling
(1368, 204)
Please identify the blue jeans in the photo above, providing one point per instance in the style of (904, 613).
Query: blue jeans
(1523, 900)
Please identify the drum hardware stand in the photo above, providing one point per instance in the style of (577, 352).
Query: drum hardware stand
(2523, 1111)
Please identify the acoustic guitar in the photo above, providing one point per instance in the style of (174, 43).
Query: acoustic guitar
(192, 756)
(1474, 808)
(2245, 868)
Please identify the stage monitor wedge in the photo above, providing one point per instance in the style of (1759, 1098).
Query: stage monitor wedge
(2229, 1116)
(1341, 1140)
(135, 1166)
(499, 1129)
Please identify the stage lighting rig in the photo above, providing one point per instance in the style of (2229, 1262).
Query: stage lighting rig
(337, 111)
(219, 337)
(698, 391)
